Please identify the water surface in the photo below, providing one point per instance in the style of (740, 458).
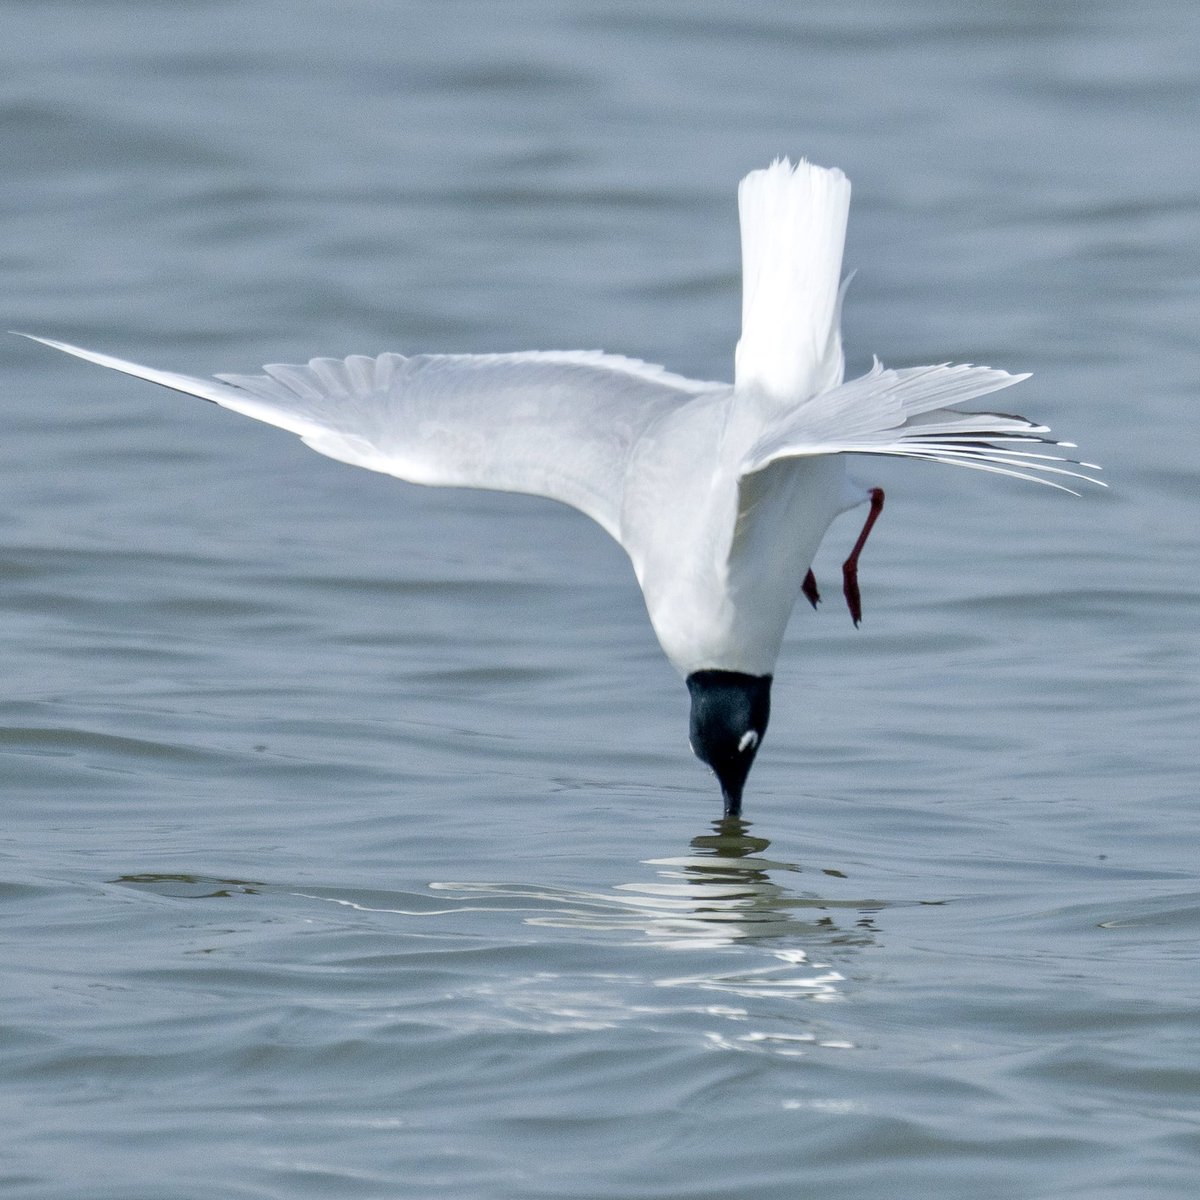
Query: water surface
(352, 845)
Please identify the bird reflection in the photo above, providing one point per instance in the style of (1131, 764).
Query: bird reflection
(725, 890)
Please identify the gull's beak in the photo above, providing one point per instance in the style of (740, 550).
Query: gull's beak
(733, 802)
(733, 783)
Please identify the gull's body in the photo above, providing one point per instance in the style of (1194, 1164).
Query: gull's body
(720, 494)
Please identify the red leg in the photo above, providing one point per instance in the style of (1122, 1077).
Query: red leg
(850, 566)
(809, 588)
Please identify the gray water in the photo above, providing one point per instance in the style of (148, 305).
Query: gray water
(351, 844)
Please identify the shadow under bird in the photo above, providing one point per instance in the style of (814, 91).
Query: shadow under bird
(719, 493)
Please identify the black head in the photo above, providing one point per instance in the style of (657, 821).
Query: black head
(729, 717)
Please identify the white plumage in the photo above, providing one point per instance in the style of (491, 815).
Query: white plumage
(793, 230)
(719, 494)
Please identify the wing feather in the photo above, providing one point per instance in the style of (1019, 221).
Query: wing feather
(907, 414)
(559, 424)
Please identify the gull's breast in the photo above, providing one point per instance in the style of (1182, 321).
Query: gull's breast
(720, 559)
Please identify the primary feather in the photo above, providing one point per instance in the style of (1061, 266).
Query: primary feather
(906, 414)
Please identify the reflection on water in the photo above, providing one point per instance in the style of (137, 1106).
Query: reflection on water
(726, 892)
(777, 943)
(723, 891)
(723, 894)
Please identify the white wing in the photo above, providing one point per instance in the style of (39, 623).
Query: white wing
(906, 413)
(548, 423)
(793, 232)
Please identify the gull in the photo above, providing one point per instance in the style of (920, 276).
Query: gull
(719, 493)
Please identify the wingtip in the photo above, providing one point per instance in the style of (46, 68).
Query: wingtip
(42, 341)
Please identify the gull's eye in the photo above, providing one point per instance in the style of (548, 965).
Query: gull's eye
(749, 741)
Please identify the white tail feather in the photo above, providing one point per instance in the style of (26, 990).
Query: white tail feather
(793, 232)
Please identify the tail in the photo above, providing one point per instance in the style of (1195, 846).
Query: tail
(793, 233)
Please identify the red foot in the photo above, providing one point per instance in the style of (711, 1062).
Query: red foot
(809, 588)
(850, 566)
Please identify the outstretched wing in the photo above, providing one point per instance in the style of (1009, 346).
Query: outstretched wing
(907, 413)
(547, 423)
